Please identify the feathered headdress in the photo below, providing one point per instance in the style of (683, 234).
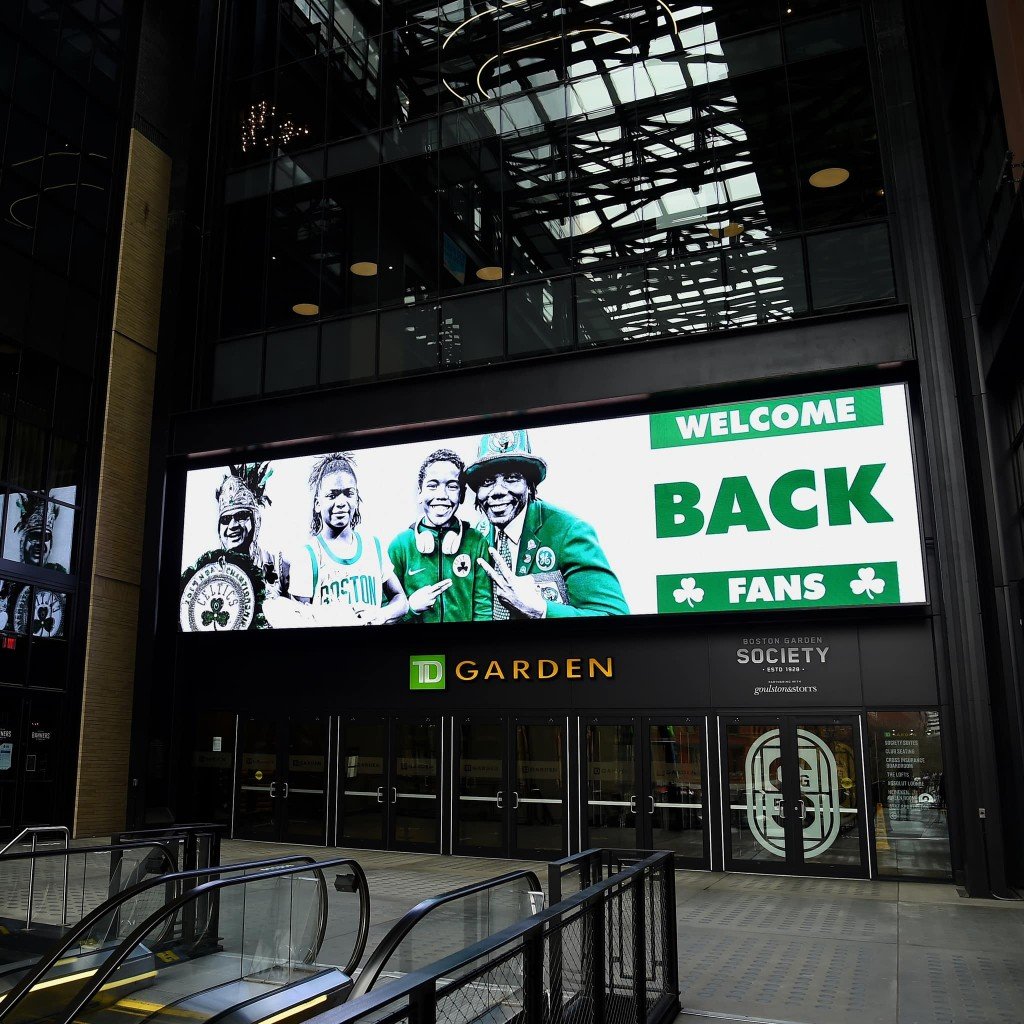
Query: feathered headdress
(244, 490)
(35, 513)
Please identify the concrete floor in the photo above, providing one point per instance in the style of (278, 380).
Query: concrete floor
(765, 948)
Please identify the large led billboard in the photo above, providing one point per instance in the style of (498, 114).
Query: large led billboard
(800, 502)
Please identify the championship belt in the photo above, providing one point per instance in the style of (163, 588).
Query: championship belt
(222, 591)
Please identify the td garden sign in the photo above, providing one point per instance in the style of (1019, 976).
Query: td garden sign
(801, 502)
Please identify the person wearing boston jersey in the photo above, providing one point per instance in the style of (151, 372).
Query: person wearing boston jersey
(436, 558)
(343, 573)
(545, 562)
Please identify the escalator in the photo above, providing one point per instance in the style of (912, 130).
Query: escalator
(44, 892)
(241, 948)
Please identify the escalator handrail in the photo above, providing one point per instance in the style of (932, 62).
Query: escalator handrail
(130, 942)
(77, 851)
(71, 938)
(399, 932)
(170, 830)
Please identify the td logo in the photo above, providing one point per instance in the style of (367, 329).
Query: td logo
(426, 672)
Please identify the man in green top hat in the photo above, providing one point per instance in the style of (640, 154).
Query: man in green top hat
(546, 562)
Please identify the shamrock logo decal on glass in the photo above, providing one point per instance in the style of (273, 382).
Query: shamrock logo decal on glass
(867, 583)
(688, 592)
(215, 614)
(43, 626)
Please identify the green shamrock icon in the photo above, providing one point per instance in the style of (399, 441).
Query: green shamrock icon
(215, 614)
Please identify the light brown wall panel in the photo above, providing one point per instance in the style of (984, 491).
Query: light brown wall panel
(105, 738)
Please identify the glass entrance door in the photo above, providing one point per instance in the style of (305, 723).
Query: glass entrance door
(645, 785)
(10, 758)
(389, 782)
(793, 796)
(281, 783)
(510, 792)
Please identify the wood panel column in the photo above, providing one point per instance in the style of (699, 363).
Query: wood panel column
(105, 735)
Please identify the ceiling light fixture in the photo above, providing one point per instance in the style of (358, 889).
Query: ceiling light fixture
(306, 308)
(490, 273)
(364, 268)
(829, 177)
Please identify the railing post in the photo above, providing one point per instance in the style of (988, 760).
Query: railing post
(31, 885)
(423, 1004)
(668, 916)
(533, 976)
(596, 967)
(639, 946)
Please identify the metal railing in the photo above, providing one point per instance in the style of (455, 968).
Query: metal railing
(103, 869)
(605, 955)
(94, 930)
(392, 942)
(99, 980)
(581, 870)
(35, 831)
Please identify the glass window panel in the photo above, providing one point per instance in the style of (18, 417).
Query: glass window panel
(237, 369)
(409, 74)
(731, 17)
(470, 42)
(348, 349)
(409, 249)
(248, 183)
(765, 282)
(471, 330)
(48, 664)
(908, 790)
(836, 140)
(353, 89)
(537, 222)
(296, 252)
(304, 29)
(842, 31)
(353, 155)
(27, 466)
(349, 264)
(611, 307)
(291, 359)
(850, 266)
(687, 296)
(250, 122)
(407, 140)
(470, 213)
(245, 247)
(37, 387)
(539, 318)
(408, 340)
(299, 169)
(300, 102)
(252, 38)
(749, 53)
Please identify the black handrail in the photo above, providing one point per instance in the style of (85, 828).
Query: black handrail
(396, 936)
(118, 957)
(71, 939)
(202, 826)
(388, 995)
(79, 851)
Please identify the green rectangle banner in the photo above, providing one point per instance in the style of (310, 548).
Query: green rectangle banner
(809, 586)
(746, 421)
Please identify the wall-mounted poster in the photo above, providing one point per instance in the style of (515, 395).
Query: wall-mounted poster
(792, 503)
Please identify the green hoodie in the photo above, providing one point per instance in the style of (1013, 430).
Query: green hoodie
(468, 598)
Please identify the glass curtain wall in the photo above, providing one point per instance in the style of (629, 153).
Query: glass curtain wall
(409, 186)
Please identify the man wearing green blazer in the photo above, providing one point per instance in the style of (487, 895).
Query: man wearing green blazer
(546, 563)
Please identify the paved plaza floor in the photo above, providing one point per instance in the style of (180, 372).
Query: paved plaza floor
(768, 948)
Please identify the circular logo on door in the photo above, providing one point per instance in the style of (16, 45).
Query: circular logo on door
(40, 613)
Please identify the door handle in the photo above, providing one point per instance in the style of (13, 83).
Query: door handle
(515, 796)
(497, 798)
(394, 794)
(273, 790)
(380, 794)
(801, 808)
(632, 804)
(651, 798)
(780, 810)
(285, 793)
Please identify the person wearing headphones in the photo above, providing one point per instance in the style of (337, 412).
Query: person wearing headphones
(436, 559)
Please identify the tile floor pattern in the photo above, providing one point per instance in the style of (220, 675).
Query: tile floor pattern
(766, 948)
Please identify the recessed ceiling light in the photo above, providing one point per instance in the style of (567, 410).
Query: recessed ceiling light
(880, 192)
(731, 230)
(829, 177)
(364, 268)
(306, 308)
(490, 273)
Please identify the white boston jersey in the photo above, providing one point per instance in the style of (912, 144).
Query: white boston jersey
(356, 583)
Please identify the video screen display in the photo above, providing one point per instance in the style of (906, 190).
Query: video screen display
(798, 502)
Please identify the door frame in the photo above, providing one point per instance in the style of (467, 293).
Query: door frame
(794, 863)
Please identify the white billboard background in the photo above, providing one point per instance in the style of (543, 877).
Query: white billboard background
(604, 472)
